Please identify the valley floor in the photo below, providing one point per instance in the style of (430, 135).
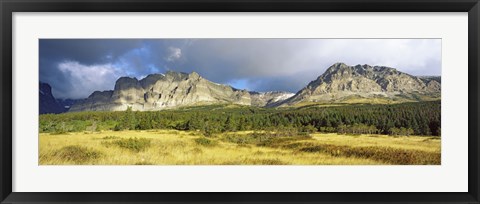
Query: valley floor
(172, 147)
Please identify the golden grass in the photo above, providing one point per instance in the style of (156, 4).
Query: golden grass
(422, 143)
(171, 147)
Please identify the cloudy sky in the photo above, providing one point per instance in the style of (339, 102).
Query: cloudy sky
(77, 67)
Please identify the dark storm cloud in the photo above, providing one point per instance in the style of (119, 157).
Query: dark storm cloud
(87, 51)
(75, 68)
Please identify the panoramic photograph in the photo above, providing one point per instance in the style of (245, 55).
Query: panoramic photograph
(240, 101)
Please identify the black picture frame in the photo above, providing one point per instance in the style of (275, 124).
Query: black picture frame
(7, 7)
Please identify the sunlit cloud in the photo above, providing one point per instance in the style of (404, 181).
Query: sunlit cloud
(174, 53)
(88, 78)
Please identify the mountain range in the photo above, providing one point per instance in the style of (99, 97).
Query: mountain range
(340, 83)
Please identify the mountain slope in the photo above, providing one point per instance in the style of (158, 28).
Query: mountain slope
(67, 103)
(158, 91)
(341, 82)
(269, 99)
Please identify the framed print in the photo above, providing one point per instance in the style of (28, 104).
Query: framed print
(241, 101)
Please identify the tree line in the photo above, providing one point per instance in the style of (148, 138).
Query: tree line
(420, 118)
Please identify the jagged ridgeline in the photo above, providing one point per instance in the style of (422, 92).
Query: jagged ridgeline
(367, 84)
(172, 90)
(339, 84)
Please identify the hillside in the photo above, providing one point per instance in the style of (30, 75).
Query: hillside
(363, 83)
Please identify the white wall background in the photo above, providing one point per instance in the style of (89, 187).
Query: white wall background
(451, 176)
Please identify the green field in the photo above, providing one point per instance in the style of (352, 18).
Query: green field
(173, 147)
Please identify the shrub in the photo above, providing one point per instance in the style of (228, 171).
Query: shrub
(258, 161)
(307, 129)
(385, 154)
(312, 149)
(143, 163)
(58, 132)
(208, 132)
(272, 162)
(133, 144)
(277, 139)
(265, 162)
(400, 131)
(240, 139)
(117, 128)
(196, 150)
(205, 141)
(110, 137)
(77, 154)
(295, 145)
(270, 139)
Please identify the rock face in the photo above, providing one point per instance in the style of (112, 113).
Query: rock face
(269, 99)
(48, 103)
(97, 101)
(341, 81)
(158, 91)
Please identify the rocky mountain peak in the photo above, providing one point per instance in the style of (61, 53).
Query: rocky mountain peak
(150, 80)
(340, 70)
(126, 83)
(337, 66)
(45, 89)
(176, 76)
(194, 76)
(127, 80)
(366, 81)
(158, 91)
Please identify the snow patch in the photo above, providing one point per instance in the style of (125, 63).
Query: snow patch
(282, 97)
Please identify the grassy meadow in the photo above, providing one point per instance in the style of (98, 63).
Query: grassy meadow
(180, 147)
